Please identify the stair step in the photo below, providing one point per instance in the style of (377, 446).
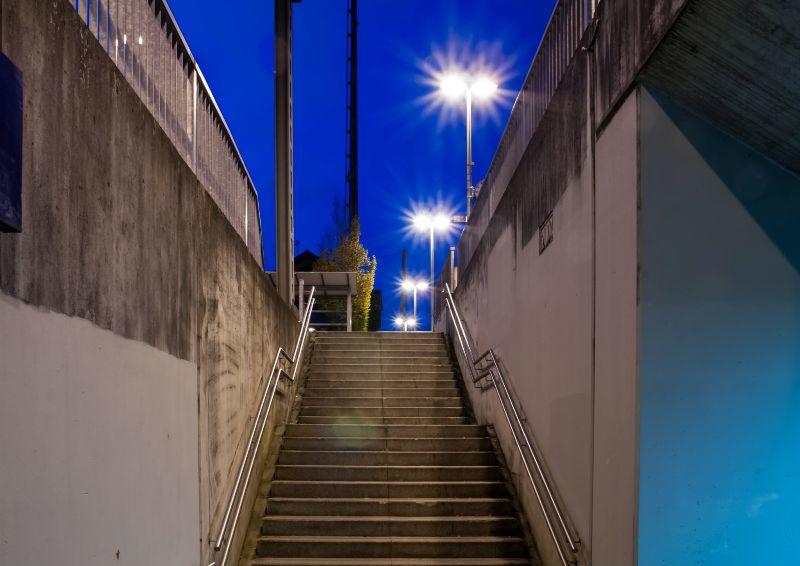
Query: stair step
(309, 409)
(408, 345)
(380, 381)
(384, 458)
(380, 347)
(410, 507)
(376, 402)
(289, 525)
(388, 473)
(312, 390)
(385, 444)
(385, 431)
(379, 367)
(387, 489)
(288, 561)
(315, 373)
(378, 336)
(306, 419)
(399, 356)
(400, 547)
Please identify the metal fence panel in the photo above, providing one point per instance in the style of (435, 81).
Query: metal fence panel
(145, 42)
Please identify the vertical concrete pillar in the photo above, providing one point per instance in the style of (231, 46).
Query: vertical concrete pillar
(284, 176)
(301, 291)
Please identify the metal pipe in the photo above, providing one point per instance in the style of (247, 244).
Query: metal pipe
(539, 469)
(470, 188)
(432, 280)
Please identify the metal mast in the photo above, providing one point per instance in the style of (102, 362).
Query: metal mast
(284, 157)
(351, 176)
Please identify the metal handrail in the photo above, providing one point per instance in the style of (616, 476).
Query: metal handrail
(486, 366)
(222, 542)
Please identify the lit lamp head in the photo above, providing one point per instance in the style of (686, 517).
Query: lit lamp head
(422, 286)
(407, 285)
(411, 322)
(453, 86)
(424, 222)
(399, 321)
(483, 88)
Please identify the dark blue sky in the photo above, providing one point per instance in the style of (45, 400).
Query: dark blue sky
(411, 150)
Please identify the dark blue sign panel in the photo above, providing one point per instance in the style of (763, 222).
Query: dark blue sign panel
(10, 146)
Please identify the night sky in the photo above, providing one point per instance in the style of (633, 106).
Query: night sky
(412, 148)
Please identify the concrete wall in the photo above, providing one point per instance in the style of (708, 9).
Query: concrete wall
(99, 443)
(615, 459)
(720, 328)
(120, 234)
(536, 310)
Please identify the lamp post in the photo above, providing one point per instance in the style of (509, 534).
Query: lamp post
(405, 322)
(454, 86)
(431, 223)
(413, 287)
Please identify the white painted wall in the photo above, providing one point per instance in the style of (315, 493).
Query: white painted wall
(615, 476)
(98, 446)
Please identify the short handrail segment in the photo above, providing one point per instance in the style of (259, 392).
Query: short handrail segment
(227, 529)
(486, 366)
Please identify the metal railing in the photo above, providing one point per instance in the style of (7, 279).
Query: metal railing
(227, 530)
(485, 369)
(146, 44)
(560, 42)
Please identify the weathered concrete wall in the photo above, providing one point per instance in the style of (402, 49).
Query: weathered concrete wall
(720, 327)
(119, 232)
(735, 63)
(627, 34)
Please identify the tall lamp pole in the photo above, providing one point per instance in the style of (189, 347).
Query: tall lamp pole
(454, 86)
(470, 187)
(432, 223)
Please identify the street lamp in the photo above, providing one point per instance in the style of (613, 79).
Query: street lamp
(454, 86)
(409, 285)
(431, 223)
(405, 322)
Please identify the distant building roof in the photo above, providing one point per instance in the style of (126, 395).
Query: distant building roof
(305, 261)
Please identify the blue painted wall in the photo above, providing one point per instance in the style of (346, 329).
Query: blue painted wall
(720, 347)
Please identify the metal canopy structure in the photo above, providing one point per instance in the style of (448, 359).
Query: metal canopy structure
(327, 284)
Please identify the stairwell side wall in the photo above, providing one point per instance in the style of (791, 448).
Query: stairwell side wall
(121, 246)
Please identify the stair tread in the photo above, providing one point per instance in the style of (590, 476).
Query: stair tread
(277, 561)
(392, 467)
(381, 539)
(391, 518)
(426, 500)
(389, 482)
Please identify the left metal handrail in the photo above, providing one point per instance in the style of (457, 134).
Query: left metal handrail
(222, 542)
(480, 369)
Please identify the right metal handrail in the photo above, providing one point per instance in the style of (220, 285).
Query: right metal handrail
(486, 366)
(222, 543)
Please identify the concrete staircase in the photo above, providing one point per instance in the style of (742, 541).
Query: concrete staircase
(384, 464)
